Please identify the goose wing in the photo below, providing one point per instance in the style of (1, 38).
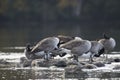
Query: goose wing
(45, 44)
(71, 44)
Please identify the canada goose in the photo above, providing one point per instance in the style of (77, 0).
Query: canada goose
(31, 55)
(63, 39)
(27, 51)
(96, 49)
(77, 47)
(108, 42)
(42, 48)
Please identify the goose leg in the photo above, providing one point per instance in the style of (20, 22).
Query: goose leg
(75, 57)
(106, 57)
(91, 58)
(46, 56)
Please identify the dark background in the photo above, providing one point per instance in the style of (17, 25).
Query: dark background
(23, 21)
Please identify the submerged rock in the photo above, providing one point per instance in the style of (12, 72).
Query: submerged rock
(116, 60)
(99, 64)
(2, 61)
(41, 63)
(52, 62)
(60, 64)
(73, 68)
(89, 66)
(24, 62)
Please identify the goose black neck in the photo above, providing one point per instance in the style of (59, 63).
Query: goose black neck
(28, 48)
(105, 36)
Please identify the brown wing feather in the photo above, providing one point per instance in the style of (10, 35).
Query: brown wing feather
(42, 45)
(71, 44)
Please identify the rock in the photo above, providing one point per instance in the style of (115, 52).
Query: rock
(2, 61)
(42, 63)
(73, 68)
(61, 64)
(116, 60)
(51, 62)
(27, 63)
(89, 66)
(99, 64)
(24, 62)
(73, 62)
(5, 64)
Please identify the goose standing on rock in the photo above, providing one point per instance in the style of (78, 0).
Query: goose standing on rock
(96, 49)
(64, 39)
(42, 48)
(108, 42)
(77, 47)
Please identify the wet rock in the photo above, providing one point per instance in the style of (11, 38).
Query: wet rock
(24, 62)
(2, 61)
(116, 60)
(73, 68)
(51, 62)
(99, 64)
(89, 66)
(108, 62)
(5, 64)
(73, 62)
(41, 63)
(61, 64)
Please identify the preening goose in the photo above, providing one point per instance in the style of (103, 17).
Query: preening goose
(63, 39)
(96, 49)
(42, 48)
(77, 47)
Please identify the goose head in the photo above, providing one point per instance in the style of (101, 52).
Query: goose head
(28, 47)
(105, 36)
(28, 51)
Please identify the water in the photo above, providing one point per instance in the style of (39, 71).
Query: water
(15, 72)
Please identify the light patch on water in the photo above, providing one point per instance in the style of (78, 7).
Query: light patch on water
(11, 57)
(115, 52)
(55, 79)
(107, 68)
(13, 47)
(64, 57)
(102, 79)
